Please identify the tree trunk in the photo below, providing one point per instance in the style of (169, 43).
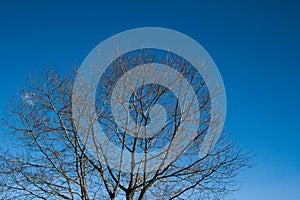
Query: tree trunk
(129, 195)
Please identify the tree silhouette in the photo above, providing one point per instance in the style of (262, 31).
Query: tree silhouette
(54, 161)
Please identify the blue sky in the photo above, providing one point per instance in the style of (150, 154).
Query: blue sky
(255, 45)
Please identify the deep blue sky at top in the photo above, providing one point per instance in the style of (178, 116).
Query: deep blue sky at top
(255, 45)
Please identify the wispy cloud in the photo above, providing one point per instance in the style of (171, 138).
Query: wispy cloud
(27, 97)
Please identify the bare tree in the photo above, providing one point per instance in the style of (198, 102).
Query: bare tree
(54, 161)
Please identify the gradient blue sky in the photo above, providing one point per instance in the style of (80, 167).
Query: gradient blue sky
(255, 44)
